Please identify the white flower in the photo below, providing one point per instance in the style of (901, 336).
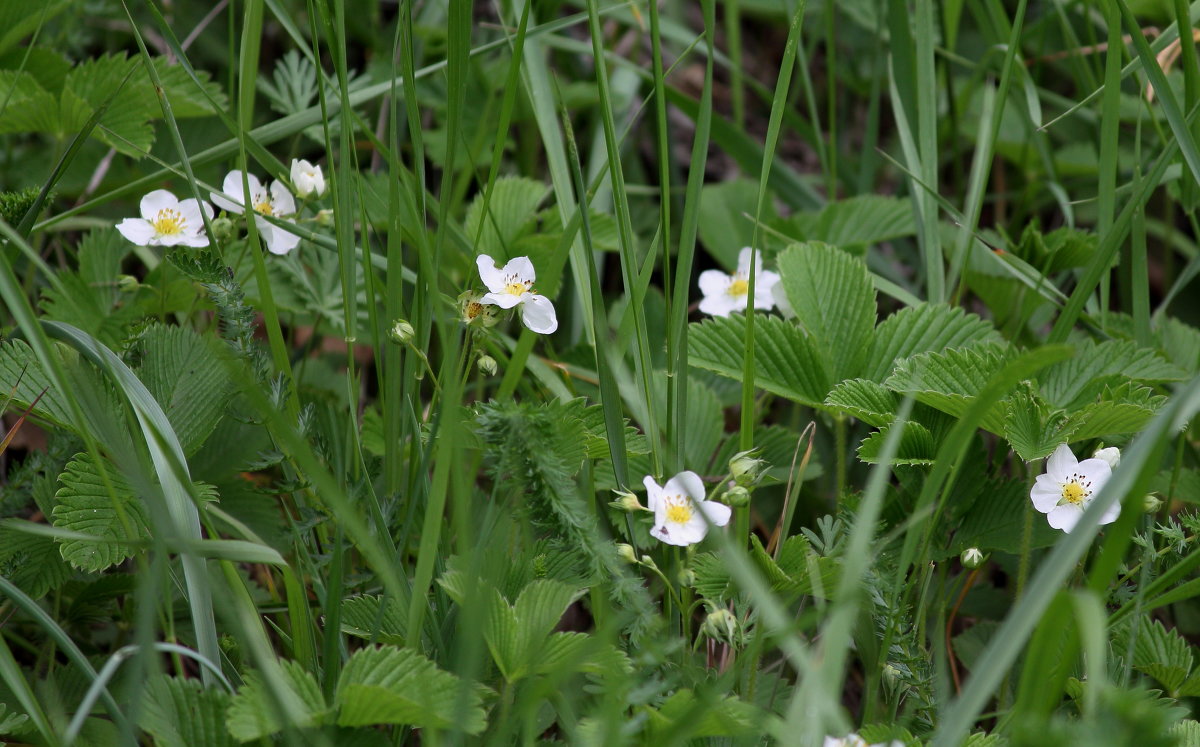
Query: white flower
(1067, 488)
(853, 740)
(681, 515)
(1112, 455)
(307, 179)
(277, 203)
(725, 294)
(167, 221)
(512, 286)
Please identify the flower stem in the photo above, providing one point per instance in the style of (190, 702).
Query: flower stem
(1032, 469)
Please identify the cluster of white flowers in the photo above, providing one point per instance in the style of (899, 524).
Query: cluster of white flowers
(168, 221)
(1065, 491)
(725, 294)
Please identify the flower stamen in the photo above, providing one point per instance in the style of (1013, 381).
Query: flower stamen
(169, 222)
(739, 286)
(679, 509)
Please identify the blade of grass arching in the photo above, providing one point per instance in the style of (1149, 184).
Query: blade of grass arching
(927, 146)
(836, 631)
(1110, 121)
(1008, 641)
(786, 66)
(677, 366)
(981, 163)
(64, 641)
(12, 676)
(1180, 128)
(1191, 89)
(629, 268)
(1110, 243)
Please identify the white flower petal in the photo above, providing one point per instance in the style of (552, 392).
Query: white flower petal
(781, 300)
(190, 213)
(686, 483)
(491, 275)
(196, 240)
(743, 265)
(137, 231)
(669, 534)
(232, 186)
(1046, 493)
(538, 314)
(1111, 454)
(282, 203)
(503, 300)
(695, 530)
(279, 241)
(521, 268)
(653, 492)
(153, 202)
(1095, 471)
(764, 298)
(1111, 514)
(1061, 463)
(1065, 517)
(717, 513)
(722, 305)
(713, 283)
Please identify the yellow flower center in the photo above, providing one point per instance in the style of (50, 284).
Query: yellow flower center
(739, 287)
(474, 309)
(1074, 492)
(169, 222)
(264, 206)
(679, 509)
(514, 286)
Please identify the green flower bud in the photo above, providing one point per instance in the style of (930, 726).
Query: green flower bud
(649, 562)
(223, 229)
(687, 577)
(487, 365)
(1111, 454)
(738, 497)
(127, 284)
(627, 553)
(324, 217)
(401, 332)
(972, 558)
(721, 625)
(1151, 503)
(627, 501)
(746, 468)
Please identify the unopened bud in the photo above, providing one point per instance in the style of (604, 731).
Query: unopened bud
(222, 229)
(892, 673)
(738, 497)
(401, 332)
(127, 284)
(1111, 454)
(487, 365)
(747, 468)
(325, 217)
(687, 577)
(1151, 503)
(627, 553)
(720, 625)
(627, 501)
(649, 562)
(972, 558)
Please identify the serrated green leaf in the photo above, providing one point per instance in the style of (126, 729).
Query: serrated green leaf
(390, 685)
(512, 211)
(834, 300)
(183, 713)
(580, 652)
(727, 716)
(31, 562)
(996, 521)
(367, 617)
(1187, 732)
(86, 506)
(787, 361)
(860, 220)
(712, 577)
(254, 714)
(864, 399)
(923, 329)
(950, 380)
(917, 445)
(1074, 382)
(1163, 654)
(181, 369)
(1032, 427)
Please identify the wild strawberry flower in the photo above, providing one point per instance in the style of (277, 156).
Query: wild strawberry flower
(1067, 487)
(853, 740)
(681, 515)
(307, 179)
(167, 221)
(511, 286)
(277, 202)
(725, 294)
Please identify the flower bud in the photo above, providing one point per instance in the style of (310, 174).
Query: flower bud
(892, 674)
(1151, 503)
(627, 501)
(737, 496)
(649, 562)
(487, 365)
(1111, 454)
(475, 313)
(127, 284)
(627, 553)
(746, 468)
(307, 179)
(325, 217)
(721, 625)
(687, 577)
(222, 229)
(972, 558)
(401, 332)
